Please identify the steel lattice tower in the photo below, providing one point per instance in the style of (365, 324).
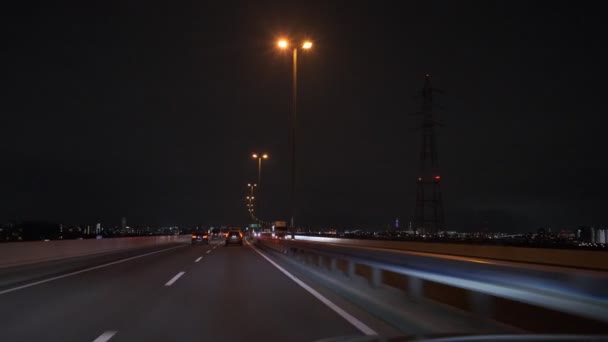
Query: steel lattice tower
(429, 206)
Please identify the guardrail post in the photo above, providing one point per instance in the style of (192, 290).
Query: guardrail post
(350, 269)
(415, 287)
(481, 304)
(376, 277)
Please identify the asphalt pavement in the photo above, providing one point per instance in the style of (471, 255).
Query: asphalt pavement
(181, 293)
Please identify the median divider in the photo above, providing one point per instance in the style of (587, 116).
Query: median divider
(521, 307)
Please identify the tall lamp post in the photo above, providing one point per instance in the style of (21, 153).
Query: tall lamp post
(250, 206)
(251, 186)
(259, 157)
(250, 202)
(306, 45)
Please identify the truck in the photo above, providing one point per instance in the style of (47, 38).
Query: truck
(279, 229)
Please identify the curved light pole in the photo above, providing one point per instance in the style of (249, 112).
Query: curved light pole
(306, 45)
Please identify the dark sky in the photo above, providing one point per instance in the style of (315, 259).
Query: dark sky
(151, 110)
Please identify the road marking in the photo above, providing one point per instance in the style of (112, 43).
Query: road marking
(199, 259)
(209, 251)
(174, 279)
(85, 270)
(348, 317)
(106, 336)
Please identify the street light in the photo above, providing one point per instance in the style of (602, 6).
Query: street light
(306, 45)
(259, 157)
(251, 187)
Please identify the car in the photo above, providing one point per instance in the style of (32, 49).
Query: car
(200, 237)
(234, 237)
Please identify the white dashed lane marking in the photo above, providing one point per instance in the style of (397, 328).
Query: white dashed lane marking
(106, 336)
(174, 279)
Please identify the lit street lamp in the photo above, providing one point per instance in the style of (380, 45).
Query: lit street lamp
(259, 157)
(306, 45)
(252, 187)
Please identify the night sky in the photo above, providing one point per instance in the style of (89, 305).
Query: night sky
(151, 110)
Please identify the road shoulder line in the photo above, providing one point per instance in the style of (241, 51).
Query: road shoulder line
(341, 312)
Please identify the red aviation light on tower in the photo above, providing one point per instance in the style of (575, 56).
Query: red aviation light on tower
(428, 216)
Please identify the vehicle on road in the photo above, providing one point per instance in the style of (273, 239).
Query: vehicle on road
(234, 237)
(280, 229)
(215, 234)
(200, 237)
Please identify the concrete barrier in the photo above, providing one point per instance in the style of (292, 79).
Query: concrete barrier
(597, 260)
(23, 253)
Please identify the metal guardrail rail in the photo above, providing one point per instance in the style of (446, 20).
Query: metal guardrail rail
(579, 259)
(530, 308)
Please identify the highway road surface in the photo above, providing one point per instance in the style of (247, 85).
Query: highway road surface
(186, 293)
(176, 293)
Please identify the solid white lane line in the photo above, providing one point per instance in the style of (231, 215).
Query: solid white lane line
(106, 336)
(199, 259)
(85, 270)
(174, 279)
(348, 317)
(209, 251)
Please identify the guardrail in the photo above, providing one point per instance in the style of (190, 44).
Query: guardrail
(520, 306)
(28, 252)
(597, 260)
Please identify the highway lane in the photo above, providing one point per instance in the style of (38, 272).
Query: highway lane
(76, 307)
(11, 277)
(230, 293)
(236, 296)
